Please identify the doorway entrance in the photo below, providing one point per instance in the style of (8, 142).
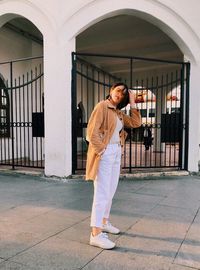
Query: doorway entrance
(162, 97)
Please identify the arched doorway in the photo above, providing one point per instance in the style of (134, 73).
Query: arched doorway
(131, 49)
(21, 62)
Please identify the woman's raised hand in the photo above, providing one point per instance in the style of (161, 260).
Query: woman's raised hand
(132, 97)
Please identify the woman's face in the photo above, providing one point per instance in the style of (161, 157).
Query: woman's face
(117, 95)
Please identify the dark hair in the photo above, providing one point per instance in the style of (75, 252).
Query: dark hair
(125, 100)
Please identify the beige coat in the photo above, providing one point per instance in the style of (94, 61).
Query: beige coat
(100, 129)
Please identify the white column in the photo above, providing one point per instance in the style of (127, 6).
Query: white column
(194, 120)
(57, 106)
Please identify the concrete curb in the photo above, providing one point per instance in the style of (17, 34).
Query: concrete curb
(125, 176)
(143, 175)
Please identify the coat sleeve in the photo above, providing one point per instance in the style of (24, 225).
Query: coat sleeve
(134, 120)
(93, 129)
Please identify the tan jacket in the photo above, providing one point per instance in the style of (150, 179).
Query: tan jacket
(100, 129)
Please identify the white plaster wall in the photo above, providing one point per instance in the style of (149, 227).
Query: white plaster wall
(15, 46)
(61, 21)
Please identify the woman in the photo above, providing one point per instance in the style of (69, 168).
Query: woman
(106, 137)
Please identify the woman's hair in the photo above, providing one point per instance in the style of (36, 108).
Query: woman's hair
(125, 100)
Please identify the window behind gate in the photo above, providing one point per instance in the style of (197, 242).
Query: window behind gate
(4, 111)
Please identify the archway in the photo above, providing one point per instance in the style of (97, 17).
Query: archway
(100, 63)
(21, 61)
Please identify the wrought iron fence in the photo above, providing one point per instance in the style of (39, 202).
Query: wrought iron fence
(162, 89)
(22, 113)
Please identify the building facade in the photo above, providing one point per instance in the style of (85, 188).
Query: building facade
(55, 29)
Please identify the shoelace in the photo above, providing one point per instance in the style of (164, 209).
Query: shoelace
(109, 224)
(104, 235)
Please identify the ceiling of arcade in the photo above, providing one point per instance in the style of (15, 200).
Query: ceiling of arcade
(119, 35)
(130, 36)
(25, 28)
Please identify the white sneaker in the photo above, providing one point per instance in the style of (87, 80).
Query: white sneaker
(101, 240)
(108, 227)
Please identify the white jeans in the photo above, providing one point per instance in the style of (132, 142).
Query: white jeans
(105, 184)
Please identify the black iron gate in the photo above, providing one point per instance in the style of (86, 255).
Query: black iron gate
(162, 89)
(22, 113)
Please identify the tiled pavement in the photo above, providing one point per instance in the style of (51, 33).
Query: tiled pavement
(44, 224)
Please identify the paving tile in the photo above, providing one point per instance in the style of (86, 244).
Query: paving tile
(120, 260)
(152, 227)
(148, 245)
(197, 217)
(58, 254)
(178, 199)
(23, 212)
(135, 198)
(79, 232)
(14, 239)
(180, 267)
(130, 186)
(13, 243)
(170, 213)
(153, 237)
(14, 266)
(124, 222)
(189, 253)
(125, 208)
(158, 188)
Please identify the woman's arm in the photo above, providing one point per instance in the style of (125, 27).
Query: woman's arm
(93, 128)
(134, 120)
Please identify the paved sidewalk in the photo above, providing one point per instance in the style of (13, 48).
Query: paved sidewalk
(44, 224)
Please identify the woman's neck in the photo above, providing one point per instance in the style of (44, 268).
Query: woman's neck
(113, 103)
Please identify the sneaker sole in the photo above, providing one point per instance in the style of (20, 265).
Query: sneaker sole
(96, 245)
(111, 232)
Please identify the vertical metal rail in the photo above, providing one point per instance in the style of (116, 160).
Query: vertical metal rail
(165, 105)
(156, 124)
(187, 101)
(41, 110)
(32, 106)
(87, 73)
(24, 126)
(20, 120)
(161, 145)
(12, 117)
(130, 151)
(36, 110)
(182, 117)
(140, 147)
(16, 122)
(81, 88)
(74, 115)
(26, 120)
(176, 118)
